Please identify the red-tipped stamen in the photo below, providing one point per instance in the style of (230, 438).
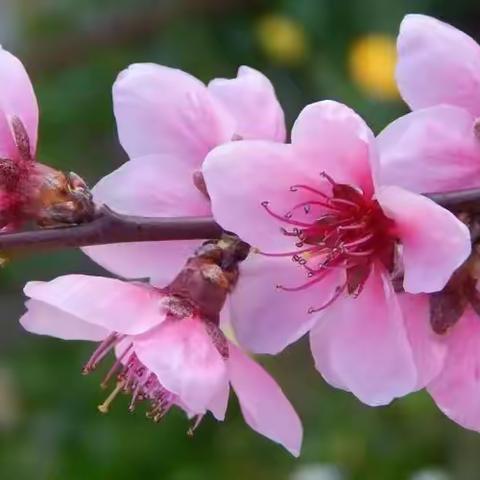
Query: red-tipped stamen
(352, 231)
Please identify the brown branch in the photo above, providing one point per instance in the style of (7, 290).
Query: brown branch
(110, 227)
(458, 201)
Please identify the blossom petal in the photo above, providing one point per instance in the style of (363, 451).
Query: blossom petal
(242, 175)
(266, 319)
(17, 98)
(161, 110)
(264, 406)
(115, 305)
(156, 186)
(429, 349)
(435, 243)
(251, 100)
(44, 319)
(457, 389)
(437, 64)
(185, 360)
(361, 344)
(158, 261)
(338, 141)
(219, 402)
(430, 150)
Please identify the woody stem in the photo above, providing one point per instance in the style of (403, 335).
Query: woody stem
(458, 201)
(110, 227)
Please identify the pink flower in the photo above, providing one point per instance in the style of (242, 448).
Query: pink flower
(317, 201)
(29, 190)
(167, 122)
(166, 353)
(439, 77)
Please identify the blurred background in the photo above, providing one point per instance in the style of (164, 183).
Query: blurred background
(311, 49)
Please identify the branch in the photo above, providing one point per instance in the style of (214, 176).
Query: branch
(110, 227)
(458, 201)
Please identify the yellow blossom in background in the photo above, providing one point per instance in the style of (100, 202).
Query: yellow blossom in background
(371, 62)
(282, 39)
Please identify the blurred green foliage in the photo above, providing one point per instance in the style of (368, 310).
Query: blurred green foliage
(49, 426)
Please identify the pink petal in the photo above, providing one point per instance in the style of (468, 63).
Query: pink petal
(327, 137)
(158, 261)
(115, 305)
(266, 319)
(161, 110)
(17, 98)
(157, 186)
(437, 64)
(435, 243)
(361, 344)
(186, 362)
(429, 349)
(219, 402)
(265, 407)
(43, 319)
(242, 175)
(251, 100)
(337, 141)
(431, 150)
(456, 390)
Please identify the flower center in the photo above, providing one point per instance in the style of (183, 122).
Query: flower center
(341, 229)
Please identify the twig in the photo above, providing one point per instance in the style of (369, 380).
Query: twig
(110, 227)
(457, 201)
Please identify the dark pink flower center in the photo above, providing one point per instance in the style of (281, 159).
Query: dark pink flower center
(341, 229)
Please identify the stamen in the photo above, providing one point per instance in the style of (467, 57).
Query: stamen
(318, 278)
(131, 406)
(348, 203)
(309, 205)
(328, 178)
(115, 366)
(192, 429)
(351, 228)
(355, 226)
(100, 352)
(337, 293)
(295, 188)
(361, 240)
(104, 407)
(360, 253)
(284, 219)
(294, 233)
(286, 254)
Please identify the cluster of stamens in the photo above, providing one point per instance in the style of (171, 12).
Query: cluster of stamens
(343, 228)
(132, 377)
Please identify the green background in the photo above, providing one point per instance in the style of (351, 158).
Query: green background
(49, 425)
